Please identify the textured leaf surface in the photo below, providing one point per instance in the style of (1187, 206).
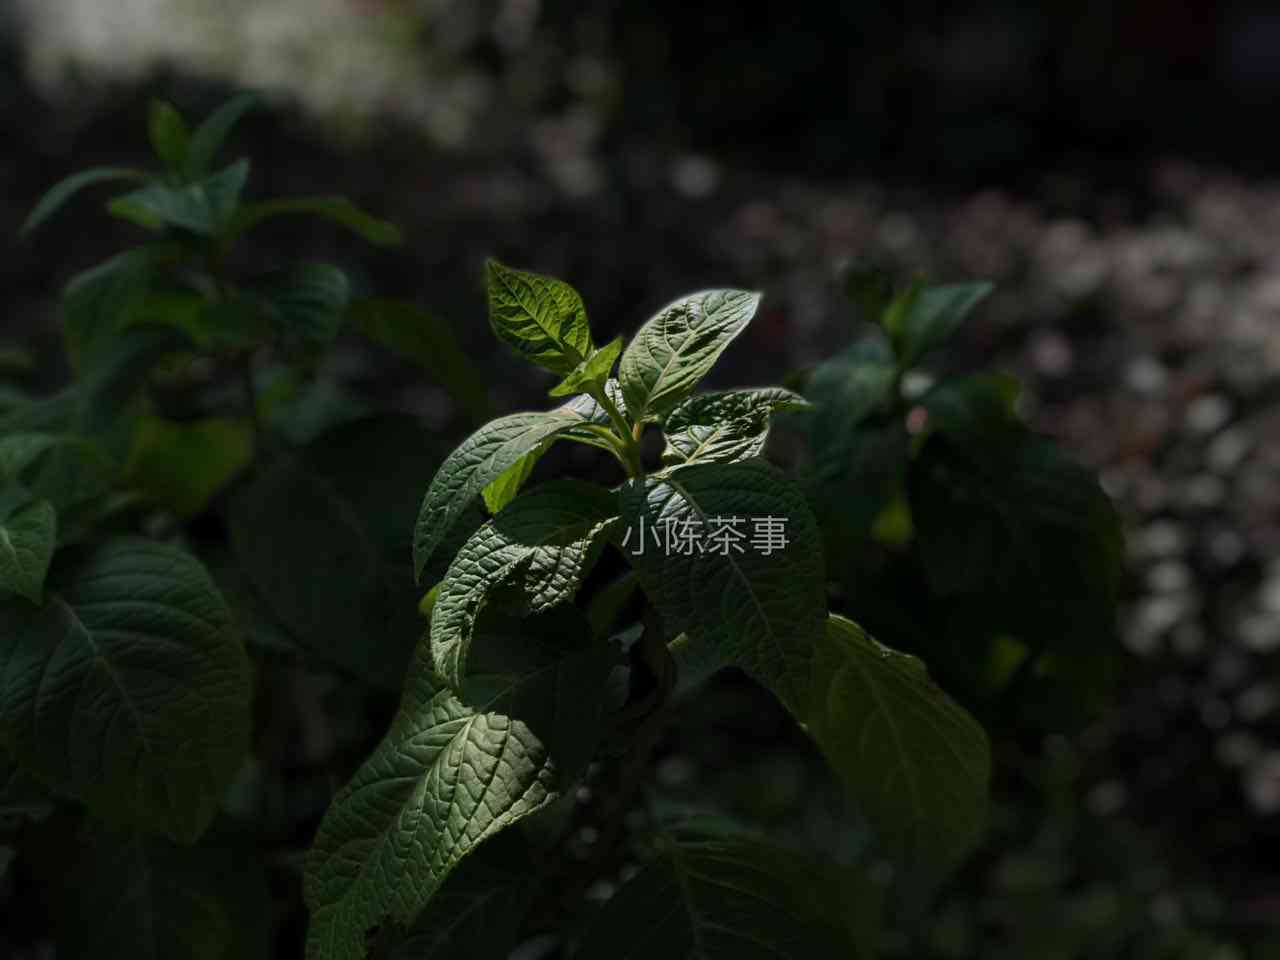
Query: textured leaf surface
(918, 764)
(27, 538)
(130, 895)
(128, 689)
(540, 316)
(452, 771)
(484, 457)
(678, 345)
(595, 369)
(63, 191)
(725, 426)
(709, 898)
(761, 611)
(542, 545)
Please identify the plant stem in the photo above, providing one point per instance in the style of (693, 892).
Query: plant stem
(630, 436)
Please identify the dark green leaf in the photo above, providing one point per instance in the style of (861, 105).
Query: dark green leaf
(168, 135)
(933, 316)
(847, 389)
(203, 207)
(184, 465)
(336, 208)
(321, 572)
(451, 772)
(478, 911)
(140, 897)
(128, 689)
(27, 537)
(759, 604)
(542, 544)
(1004, 511)
(919, 766)
(304, 303)
(209, 137)
(709, 898)
(66, 189)
(100, 302)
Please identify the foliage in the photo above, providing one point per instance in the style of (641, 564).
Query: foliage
(180, 545)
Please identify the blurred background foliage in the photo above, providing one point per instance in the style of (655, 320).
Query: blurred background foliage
(1106, 166)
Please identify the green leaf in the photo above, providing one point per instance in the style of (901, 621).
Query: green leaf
(678, 345)
(965, 406)
(119, 372)
(339, 209)
(542, 545)
(540, 316)
(1005, 512)
(27, 538)
(847, 389)
(932, 316)
(184, 465)
(918, 764)
(479, 910)
(128, 689)
(507, 487)
(452, 771)
(209, 137)
(18, 451)
(758, 604)
(168, 135)
(725, 426)
(52, 201)
(98, 303)
(320, 570)
(427, 340)
(481, 459)
(593, 371)
(712, 897)
(204, 207)
(131, 895)
(305, 302)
